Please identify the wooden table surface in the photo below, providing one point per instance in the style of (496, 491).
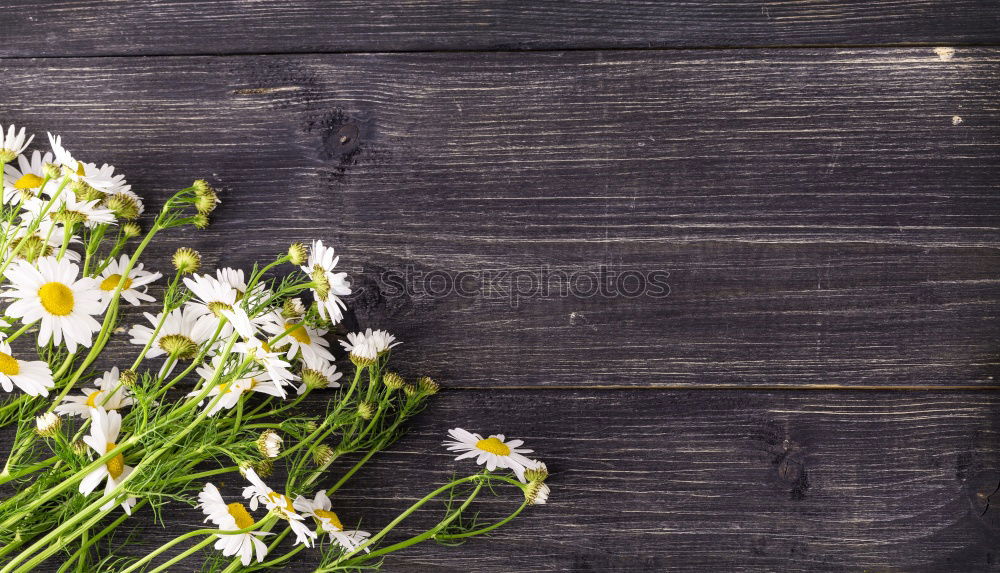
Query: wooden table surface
(818, 181)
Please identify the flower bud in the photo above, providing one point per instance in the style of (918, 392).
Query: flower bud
(310, 426)
(47, 425)
(393, 381)
(428, 386)
(264, 468)
(205, 203)
(269, 444)
(322, 455)
(124, 206)
(366, 410)
(200, 221)
(297, 254)
(131, 229)
(80, 447)
(201, 187)
(410, 390)
(186, 260)
(128, 378)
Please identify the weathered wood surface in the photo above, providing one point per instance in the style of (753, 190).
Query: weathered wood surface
(827, 217)
(653, 480)
(144, 27)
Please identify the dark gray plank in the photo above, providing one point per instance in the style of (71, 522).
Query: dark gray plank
(647, 480)
(89, 27)
(825, 217)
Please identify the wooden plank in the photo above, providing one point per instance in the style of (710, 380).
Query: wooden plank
(91, 27)
(647, 480)
(826, 217)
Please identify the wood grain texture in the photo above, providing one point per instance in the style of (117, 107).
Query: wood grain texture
(650, 480)
(823, 218)
(92, 27)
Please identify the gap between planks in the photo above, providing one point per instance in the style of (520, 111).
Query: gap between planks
(898, 45)
(717, 387)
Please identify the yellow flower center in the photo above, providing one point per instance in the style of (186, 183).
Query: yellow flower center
(116, 465)
(92, 398)
(323, 513)
(299, 333)
(79, 169)
(9, 365)
(240, 514)
(493, 446)
(28, 181)
(282, 501)
(56, 298)
(112, 281)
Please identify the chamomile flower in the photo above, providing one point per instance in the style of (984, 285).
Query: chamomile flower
(319, 374)
(96, 178)
(258, 493)
(134, 289)
(262, 354)
(221, 299)
(365, 347)
(183, 332)
(236, 279)
(27, 177)
(232, 517)
(104, 429)
(302, 340)
(319, 509)
(232, 390)
(43, 241)
(330, 285)
(50, 291)
(493, 451)
(34, 378)
(13, 144)
(109, 394)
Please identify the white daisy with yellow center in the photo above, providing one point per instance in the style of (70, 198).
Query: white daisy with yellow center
(13, 143)
(320, 374)
(26, 178)
(280, 504)
(183, 332)
(34, 378)
(109, 394)
(301, 340)
(319, 508)
(104, 429)
(232, 390)
(232, 517)
(370, 344)
(493, 451)
(220, 299)
(320, 264)
(265, 357)
(49, 292)
(134, 289)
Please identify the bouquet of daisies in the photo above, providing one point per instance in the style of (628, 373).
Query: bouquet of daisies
(211, 392)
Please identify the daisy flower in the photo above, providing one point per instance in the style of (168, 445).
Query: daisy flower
(232, 390)
(184, 331)
(232, 517)
(49, 291)
(265, 357)
(26, 177)
(319, 509)
(104, 428)
(319, 267)
(34, 378)
(301, 340)
(42, 242)
(220, 299)
(99, 178)
(109, 394)
(236, 279)
(494, 451)
(134, 289)
(367, 346)
(259, 493)
(319, 375)
(13, 144)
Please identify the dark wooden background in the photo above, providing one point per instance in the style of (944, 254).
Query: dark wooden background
(817, 392)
